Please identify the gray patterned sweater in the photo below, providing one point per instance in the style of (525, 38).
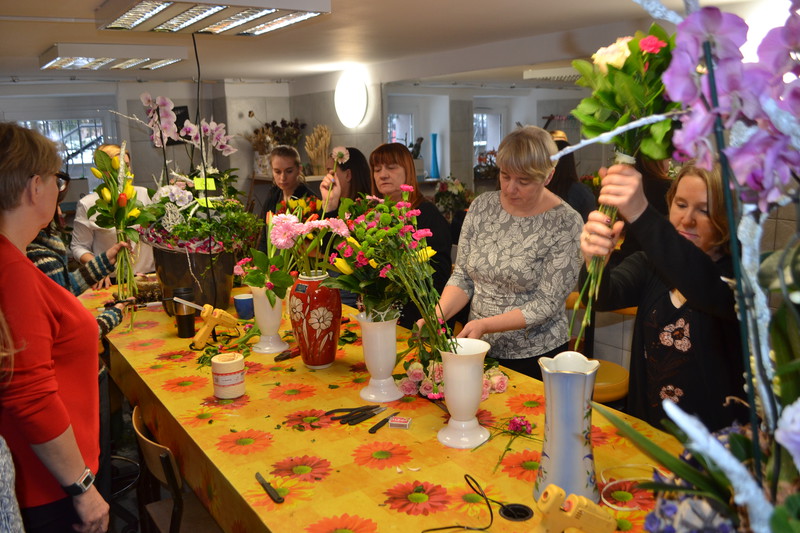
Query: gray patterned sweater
(529, 263)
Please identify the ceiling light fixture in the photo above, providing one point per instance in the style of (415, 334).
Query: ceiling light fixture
(86, 56)
(247, 17)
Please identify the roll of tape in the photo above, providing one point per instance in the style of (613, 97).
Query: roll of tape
(227, 370)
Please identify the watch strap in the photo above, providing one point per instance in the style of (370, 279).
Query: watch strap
(82, 485)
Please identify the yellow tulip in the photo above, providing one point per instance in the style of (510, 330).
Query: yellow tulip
(354, 243)
(373, 263)
(342, 266)
(129, 191)
(425, 253)
(105, 194)
(115, 162)
(135, 212)
(97, 173)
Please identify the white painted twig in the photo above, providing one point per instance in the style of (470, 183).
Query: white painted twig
(609, 136)
(746, 491)
(658, 11)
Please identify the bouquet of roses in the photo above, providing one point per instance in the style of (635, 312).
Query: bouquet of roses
(626, 84)
(429, 381)
(118, 208)
(268, 270)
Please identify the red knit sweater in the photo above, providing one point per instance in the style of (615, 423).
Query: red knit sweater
(54, 381)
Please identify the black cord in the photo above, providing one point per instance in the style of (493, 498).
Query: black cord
(478, 490)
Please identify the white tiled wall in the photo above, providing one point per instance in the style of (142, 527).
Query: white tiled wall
(612, 337)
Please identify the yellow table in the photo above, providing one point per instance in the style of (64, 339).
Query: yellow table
(332, 476)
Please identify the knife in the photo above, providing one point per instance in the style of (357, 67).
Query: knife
(273, 494)
(382, 423)
(366, 415)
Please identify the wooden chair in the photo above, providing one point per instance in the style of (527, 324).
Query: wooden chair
(183, 512)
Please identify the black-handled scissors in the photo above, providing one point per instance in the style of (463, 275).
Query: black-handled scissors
(351, 412)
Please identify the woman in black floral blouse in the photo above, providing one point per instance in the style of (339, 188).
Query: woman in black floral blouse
(685, 340)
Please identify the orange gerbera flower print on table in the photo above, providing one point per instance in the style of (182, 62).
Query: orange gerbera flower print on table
(522, 465)
(230, 403)
(201, 417)
(177, 356)
(305, 468)
(292, 490)
(409, 403)
(469, 502)
(526, 404)
(245, 442)
(345, 522)
(185, 383)
(380, 455)
(417, 498)
(291, 392)
(308, 420)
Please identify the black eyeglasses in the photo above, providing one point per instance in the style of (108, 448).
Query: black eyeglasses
(62, 180)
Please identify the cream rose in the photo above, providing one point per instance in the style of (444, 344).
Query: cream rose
(613, 54)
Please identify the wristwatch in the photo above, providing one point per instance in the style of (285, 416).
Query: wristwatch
(82, 485)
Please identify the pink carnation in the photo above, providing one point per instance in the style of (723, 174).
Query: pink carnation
(651, 44)
(385, 270)
(406, 188)
(413, 213)
(422, 233)
(347, 252)
(361, 259)
(406, 229)
(403, 205)
(273, 268)
(332, 258)
(269, 285)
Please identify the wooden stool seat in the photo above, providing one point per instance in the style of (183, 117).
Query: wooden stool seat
(611, 382)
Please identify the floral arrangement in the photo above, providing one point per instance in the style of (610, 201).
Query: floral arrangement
(302, 232)
(268, 270)
(118, 208)
(742, 477)
(486, 169)
(625, 78)
(273, 133)
(197, 212)
(452, 196)
(381, 295)
(593, 182)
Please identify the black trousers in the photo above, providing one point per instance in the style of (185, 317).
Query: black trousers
(530, 365)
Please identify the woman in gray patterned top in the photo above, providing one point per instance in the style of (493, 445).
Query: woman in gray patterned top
(518, 258)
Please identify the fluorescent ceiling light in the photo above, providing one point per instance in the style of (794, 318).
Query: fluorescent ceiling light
(86, 56)
(247, 17)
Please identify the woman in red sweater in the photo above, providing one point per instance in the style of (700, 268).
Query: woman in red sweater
(49, 411)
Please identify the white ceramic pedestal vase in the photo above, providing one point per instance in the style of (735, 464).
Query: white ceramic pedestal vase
(567, 457)
(268, 318)
(379, 342)
(463, 386)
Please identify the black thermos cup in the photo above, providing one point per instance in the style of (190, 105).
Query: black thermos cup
(184, 315)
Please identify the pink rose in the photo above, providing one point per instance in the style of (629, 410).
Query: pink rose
(415, 372)
(407, 387)
(499, 382)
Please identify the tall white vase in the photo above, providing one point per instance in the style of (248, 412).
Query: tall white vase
(379, 342)
(567, 457)
(463, 386)
(268, 318)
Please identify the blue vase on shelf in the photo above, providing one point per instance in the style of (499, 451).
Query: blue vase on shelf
(434, 157)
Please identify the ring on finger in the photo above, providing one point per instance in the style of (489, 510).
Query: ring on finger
(586, 237)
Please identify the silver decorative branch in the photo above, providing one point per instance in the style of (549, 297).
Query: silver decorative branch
(746, 491)
(609, 136)
(658, 11)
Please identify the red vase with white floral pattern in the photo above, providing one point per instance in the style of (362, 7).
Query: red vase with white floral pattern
(316, 314)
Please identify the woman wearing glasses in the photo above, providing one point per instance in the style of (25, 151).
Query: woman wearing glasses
(49, 408)
(49, 253)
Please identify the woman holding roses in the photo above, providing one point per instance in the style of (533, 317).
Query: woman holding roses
(683, 348)
(518, 258)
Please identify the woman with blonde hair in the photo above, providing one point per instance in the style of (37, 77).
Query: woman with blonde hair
(684, 346)
(393, 166)
(49, 409)
(518, 258)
